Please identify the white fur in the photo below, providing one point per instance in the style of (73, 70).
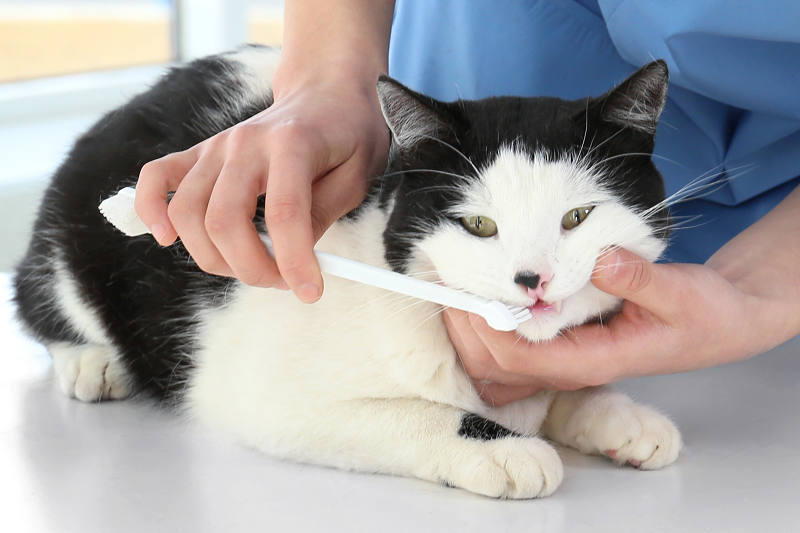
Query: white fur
(257, 70)
(83, 317)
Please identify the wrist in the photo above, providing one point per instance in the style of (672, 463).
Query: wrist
(334, 75)
(339, 44)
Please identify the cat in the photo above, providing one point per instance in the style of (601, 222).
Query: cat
(509, 198)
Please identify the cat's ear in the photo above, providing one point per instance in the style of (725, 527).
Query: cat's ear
(637, 102)
(413, 118)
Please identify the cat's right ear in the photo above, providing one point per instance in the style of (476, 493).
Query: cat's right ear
(414, 119)
(637, 102)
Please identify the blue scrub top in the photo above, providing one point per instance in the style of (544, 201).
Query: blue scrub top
(734, 103)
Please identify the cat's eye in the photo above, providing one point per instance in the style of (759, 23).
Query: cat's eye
(480, 226)
(575, 216)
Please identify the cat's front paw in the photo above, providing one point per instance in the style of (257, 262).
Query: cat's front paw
(639, 437)
(605, 422)
(89, 372)
(514, 467)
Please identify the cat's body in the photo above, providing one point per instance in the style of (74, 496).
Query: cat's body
(363, 379)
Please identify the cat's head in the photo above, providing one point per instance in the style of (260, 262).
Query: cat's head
(514, 199)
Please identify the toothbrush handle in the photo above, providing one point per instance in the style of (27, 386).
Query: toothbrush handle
(496, 314)
(392, 281)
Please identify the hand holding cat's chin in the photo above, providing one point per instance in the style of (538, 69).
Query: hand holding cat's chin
(676, 318)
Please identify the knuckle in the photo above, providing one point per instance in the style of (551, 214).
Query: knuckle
(150, 170)
(321, 219)
(288, 129)
(507, 363)
(218, 224)
(293, 135)
(178, 210)
(254, 278)
(239, 135)
(292, 270)
(640, 277)
(282, 210)
(211, 264)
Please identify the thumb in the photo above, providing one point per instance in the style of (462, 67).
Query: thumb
(626, 275)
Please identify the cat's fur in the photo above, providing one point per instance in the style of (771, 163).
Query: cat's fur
(363, 379)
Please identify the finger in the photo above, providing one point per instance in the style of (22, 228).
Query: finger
(627, 275)
(497, 394)
(157, 179)
(474, 355)
(187, 212)
(335, 195)
(288, 217)
(229, 222)
(581, 357)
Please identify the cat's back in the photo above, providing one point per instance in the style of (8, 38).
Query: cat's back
(82, 281)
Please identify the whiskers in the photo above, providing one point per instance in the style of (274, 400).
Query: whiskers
(702, 186)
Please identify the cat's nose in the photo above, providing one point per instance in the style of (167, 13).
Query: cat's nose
(534, 284)
(529, 279)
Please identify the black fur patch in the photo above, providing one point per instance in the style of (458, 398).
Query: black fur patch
(479, 428)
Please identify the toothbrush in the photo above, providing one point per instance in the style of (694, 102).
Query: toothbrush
(119, 211)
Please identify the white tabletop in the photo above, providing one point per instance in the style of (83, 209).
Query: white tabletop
(129, 467)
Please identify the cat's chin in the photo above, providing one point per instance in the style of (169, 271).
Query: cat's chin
(555, 318)
(540, 329)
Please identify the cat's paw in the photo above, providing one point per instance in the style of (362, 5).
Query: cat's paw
(89, 372)
(514, 467)
(605, 422)
(637, 436)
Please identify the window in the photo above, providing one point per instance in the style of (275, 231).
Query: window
(40, 38)
(65, 62)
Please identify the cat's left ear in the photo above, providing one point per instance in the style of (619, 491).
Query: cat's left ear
(637, 102)
(414, 119)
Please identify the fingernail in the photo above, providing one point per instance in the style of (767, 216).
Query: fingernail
(309, 293)
(617, 262)
(281, 286)
(158, 231)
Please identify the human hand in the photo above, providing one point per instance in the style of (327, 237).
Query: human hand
(676, 318)
(312, 152)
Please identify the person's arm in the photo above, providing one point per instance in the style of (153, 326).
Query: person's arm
(677, 317)
(313, 153)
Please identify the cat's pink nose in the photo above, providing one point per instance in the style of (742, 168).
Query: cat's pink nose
(533, 284)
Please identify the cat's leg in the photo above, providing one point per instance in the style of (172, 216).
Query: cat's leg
(602, 421)
(435, 442)
(525, 416)
(89, 372)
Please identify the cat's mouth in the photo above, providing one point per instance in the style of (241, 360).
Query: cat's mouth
(545, 307)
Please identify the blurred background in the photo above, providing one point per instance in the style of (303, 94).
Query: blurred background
(40, 38)
(63, 63)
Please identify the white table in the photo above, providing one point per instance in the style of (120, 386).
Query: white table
(128, 467)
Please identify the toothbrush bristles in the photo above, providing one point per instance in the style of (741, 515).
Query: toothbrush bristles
(521, 314)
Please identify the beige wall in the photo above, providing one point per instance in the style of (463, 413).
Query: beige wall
(37, 48)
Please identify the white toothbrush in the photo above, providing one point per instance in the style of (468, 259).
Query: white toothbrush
(119, 210)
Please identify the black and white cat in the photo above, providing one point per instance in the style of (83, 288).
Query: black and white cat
(513, 199)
